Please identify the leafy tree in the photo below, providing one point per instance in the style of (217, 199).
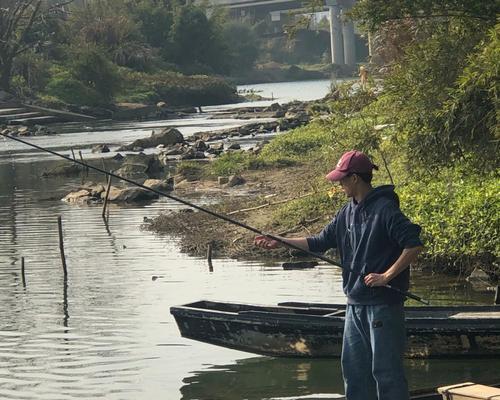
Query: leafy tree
(372, 14)
(195, 40)
(155, 19)
(470, 115)
(91, 67)
(242, 44)
(23, 26)
(441, 88)
(109, 24)
(395, 24)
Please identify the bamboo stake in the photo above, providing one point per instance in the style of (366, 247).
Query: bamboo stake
(209, 257)
(22, 272)
(81, 159)
(386, 166)
(106, 199)
(61, 246)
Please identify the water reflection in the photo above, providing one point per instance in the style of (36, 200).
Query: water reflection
(259, 377)
(263, 377)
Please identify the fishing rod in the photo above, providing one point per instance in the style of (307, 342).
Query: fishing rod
(217, 215)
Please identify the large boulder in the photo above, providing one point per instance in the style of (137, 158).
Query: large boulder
(140, 166)
(200, 145)
(167, 137)
(24, 131)
(128, 195)
(161, 185)
(131, 195)
(274, 107)
(134, 171)
(79, 197)
(192, 154)
(235, 180)
(234, 146)
(217, 146)
(95, 189)
(175, 150)
(100, 148)
(63, 169)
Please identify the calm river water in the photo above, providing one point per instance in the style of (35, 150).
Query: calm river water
(107, 332)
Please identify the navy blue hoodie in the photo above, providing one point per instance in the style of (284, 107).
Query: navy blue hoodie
(369, 237)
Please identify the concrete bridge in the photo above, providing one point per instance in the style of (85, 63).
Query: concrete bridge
(342, 35)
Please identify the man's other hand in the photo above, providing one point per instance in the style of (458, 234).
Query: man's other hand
(373, 280)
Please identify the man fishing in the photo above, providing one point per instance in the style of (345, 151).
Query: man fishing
(377, 241)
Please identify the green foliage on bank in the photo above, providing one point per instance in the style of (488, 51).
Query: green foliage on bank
(130, 51)
(175, 88)
(235, 162)
(460, 217)
(432, 127)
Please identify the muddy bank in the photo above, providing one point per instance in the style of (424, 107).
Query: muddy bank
(252, 203)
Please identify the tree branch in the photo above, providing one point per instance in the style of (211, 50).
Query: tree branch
(17, 14)
(30, 24)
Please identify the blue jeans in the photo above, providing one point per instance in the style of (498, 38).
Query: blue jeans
(372, 352)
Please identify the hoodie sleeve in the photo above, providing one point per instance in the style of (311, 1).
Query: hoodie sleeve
(326, 239)
(401, 230)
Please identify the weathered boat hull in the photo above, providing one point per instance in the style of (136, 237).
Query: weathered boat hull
(315, 330)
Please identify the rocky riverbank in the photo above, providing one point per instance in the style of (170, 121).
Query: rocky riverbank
(21, 130)
(252, 197)
(170, 146)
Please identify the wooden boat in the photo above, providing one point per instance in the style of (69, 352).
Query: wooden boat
(315, 330)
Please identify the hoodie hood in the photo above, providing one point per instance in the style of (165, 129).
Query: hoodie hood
(386, 191)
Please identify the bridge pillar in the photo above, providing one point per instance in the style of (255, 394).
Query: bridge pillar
(335, 32)
(349, 39)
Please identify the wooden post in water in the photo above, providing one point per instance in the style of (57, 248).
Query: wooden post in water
(61, 246)
(73, 153)
(209, 257)
(81, 159)
(106, 198)
(22, 272)
(497, 296)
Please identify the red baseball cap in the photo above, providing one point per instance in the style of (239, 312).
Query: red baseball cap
(351, 162)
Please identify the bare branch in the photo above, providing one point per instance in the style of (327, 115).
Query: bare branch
(30, 24)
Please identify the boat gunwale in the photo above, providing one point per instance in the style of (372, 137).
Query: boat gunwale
(432, 324)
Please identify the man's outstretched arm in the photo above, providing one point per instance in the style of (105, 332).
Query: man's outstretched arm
(268, 243)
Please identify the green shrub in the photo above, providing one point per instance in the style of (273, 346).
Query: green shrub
(19, 86)
(460, 218)
(230, 163)
(95, 71)
(298, 144)
(31, 73)
(65, 87)
(176, 89)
